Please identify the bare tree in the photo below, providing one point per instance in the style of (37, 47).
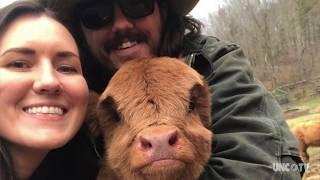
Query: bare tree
(280, 37)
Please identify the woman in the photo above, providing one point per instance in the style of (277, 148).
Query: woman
(43, 94)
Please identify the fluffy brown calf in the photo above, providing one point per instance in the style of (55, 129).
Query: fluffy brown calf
(155, 117)
(307, 136)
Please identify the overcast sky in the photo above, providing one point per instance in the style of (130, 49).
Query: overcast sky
(204, 7)
(5, 2)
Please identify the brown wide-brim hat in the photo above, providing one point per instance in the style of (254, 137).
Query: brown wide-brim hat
(181, 7)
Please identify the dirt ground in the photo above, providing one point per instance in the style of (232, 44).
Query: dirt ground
(313, 171)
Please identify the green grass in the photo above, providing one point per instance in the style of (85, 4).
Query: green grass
(311, 103)
(313, 150)
(303, 120)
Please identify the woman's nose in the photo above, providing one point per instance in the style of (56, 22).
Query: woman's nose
(47, 82)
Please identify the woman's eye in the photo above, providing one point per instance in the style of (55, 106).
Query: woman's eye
(67, 69)
(18, 65)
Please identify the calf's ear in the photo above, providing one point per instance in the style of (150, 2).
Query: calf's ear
(91, 115)
(107, 110)
(200, 100)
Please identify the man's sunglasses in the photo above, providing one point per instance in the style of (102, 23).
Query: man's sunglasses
(96, 15)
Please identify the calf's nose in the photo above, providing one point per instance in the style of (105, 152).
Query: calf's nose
(158, 139)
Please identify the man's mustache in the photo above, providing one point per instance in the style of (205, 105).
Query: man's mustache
(121, 36)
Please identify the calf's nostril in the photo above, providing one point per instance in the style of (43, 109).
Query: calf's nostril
(145, 143)
(173, 138)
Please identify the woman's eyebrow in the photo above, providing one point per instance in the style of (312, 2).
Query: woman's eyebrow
(22, 50)
(28, 51)
(67, 54)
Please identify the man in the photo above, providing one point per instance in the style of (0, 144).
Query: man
(250, 133)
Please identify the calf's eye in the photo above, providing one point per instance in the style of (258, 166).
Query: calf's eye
(109, 106)
(192, 105)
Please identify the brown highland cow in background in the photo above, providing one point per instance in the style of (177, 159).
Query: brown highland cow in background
(308, 135)
(155, 118)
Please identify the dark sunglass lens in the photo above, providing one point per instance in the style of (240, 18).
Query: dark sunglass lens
(137, 8)
(97, 16)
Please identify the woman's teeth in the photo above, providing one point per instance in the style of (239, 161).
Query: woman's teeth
(44, 110)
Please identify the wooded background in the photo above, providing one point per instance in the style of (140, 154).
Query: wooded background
(280, 37)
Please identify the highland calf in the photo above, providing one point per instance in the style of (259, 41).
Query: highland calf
(155, 118)
(307, 136)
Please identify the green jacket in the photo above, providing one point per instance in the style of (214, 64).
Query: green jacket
(250, 134)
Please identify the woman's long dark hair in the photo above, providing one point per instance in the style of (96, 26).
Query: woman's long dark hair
(7, 15)
(6, 166)
(20, 8)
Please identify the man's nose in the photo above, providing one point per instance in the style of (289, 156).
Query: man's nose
(120, 21)
(47, 81)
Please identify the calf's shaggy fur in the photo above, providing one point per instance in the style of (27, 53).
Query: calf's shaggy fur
(308, 135)
(155, 119)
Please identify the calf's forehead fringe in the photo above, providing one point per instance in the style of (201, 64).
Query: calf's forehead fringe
(165, 82)
(154, 73)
